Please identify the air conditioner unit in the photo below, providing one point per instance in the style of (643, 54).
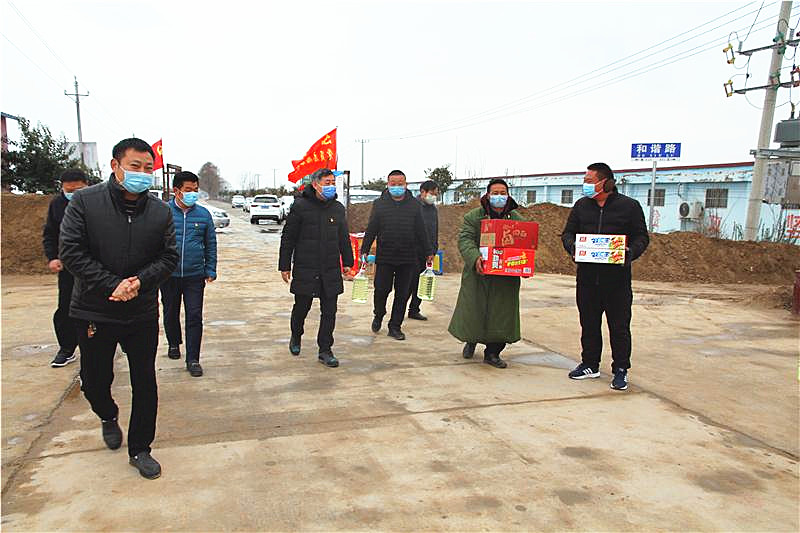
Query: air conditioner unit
(693, 211)
(683, 210)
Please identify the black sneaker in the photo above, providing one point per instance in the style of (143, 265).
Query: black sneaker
(62, 359)
(494, 360)
(146, 465)
(620, 381)
(397, 334)
(112, 433)
(469, 350)
(174, 352)
(376, 324)
(194, 368)
(584, 371)
(416, 315)
(328, 359)
(294, 345)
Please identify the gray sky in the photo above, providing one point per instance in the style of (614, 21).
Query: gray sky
(251, 85)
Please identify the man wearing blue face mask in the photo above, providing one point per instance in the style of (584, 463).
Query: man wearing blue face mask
(605, 288)
(196, 240)
(66, 331)
(119, 243)
(315, 251)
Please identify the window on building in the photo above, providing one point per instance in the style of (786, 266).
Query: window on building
(716, 198)
(566, 196)
(660, 196)
(531, 197)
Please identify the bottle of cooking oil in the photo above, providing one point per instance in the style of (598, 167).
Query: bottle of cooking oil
(427, 284)
(360, 286)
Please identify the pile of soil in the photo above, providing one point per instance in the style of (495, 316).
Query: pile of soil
(680, 256)
(21, 224)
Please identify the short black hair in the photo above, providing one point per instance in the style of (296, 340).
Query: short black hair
(496, 181)
(183, 176)
(132, 143)
(74, 174)
(603, 170)
(428, 186)
(321, 173)
(396, 173)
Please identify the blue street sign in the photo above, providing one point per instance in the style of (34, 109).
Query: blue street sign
(655, 151)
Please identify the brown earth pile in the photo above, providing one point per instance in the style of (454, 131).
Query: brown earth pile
(679, 256)
(21, 224)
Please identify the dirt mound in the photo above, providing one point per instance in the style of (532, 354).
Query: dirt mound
(22, 221)
(677, 256)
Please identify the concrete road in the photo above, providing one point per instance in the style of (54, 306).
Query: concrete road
(408, 435)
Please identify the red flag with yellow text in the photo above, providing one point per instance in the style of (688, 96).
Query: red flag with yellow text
(158, 162)
(322, 154)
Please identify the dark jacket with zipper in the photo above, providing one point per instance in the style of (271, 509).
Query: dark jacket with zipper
(196, 240)
(55, 213)
(400, 230)
(620, 215)
(101, 245)
(315, 238)
(430, 216)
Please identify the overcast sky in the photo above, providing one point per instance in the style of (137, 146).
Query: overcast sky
(251, 85)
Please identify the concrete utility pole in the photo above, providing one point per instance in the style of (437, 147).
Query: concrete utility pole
(764, 135)
(274, 180)
(362, 141)
(77, 96)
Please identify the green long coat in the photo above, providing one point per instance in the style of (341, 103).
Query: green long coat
(487, 309)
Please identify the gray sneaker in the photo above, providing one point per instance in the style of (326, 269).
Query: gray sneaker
(146, 465)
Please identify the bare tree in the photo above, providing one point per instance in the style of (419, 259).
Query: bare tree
(210, 180)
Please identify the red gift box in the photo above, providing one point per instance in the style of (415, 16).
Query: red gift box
(508, 261)
(503, 233)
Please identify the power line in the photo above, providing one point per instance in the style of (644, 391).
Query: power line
(754, 23)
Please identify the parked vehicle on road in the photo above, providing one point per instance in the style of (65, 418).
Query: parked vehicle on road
(360, 196)
(247, 202)
(220, 217)
(266, 207)
(237, 201)
(286, 205)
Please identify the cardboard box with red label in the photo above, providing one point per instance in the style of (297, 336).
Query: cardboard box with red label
(508, 261)
(600, 248)
(503, 233)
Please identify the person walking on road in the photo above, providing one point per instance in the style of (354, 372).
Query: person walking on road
(397, 224)
(315, 250)
(487, 309)
(428, 192)
(605, 288)
(66, 330)
(196, 240)
(119, 243)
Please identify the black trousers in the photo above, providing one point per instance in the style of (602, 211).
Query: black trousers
(139, 342)
(615, 301)
(400, 277)
(191, 290)
(66, 330)
(327, 320)
(415, 300)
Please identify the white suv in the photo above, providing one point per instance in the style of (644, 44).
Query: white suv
(265, 207)
(237, 200)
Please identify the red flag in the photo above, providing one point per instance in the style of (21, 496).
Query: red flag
(322, 154)
(158, 162)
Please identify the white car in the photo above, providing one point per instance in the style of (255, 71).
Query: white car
(237, 200)
(247, 202)
(220, 217)
(286, 204)
(360, 196)
(266, 207)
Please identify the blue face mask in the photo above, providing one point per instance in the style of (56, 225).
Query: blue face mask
(397, 191)
(137, 182)
(68, 195)
(589, 189)
(498, 200)
(329, 192)
(190, 198)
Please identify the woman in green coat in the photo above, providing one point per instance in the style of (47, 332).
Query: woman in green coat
(487, 311)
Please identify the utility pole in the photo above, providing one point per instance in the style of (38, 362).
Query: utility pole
(768, 114)
(77, 96)
(274, 181)
(362, 141)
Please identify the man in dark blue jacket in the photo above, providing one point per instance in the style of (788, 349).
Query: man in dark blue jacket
(66, 330)
(196, 241)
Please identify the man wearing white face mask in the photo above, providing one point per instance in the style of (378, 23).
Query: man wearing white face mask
(196, 240)
(119, 244)
(428, 193)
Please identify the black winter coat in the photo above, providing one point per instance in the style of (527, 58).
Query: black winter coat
(314, 238)
(621, 215)
(55, 213)
(400, 230)
(101, 245)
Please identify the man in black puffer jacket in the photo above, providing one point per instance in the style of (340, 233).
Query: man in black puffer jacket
(119, 244)
(605, 288)
(396, 221)
(316, 239)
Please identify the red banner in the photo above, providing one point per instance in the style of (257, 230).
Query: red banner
(158, 162)
(321, 155)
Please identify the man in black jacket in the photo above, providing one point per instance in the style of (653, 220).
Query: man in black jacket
(66, 331)
(315, 247)
(119, 243)
(605, 288)
(396, 222)
(428, 192)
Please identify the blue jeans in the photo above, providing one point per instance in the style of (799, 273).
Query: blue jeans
(191, 290)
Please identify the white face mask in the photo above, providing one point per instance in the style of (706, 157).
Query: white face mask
(429, 199)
